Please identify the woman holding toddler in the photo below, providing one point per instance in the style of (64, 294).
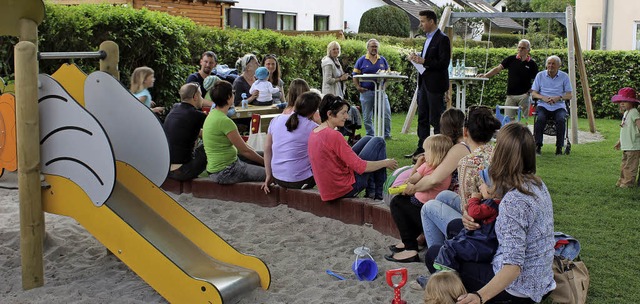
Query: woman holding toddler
(405, 209)
(436, 214)
(521, 269)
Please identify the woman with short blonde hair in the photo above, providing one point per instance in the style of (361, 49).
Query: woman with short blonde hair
(333, 77)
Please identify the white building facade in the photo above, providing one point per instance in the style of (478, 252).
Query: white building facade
(608, 24)
(298, 15)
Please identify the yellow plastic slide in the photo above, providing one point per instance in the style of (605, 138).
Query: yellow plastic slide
(158, 239)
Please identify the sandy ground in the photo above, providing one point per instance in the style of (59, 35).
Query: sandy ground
(298, 248)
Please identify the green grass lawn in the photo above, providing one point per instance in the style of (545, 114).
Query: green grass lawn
(587, 205)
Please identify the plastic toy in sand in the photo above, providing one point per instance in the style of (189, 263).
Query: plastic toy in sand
(364, 266)
(402, 272)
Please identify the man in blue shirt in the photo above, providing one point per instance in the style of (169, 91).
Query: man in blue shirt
(551, 88)
(370, 64)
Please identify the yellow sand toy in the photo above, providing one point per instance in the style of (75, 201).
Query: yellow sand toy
(397, 189)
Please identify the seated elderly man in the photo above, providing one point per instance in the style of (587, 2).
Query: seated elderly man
(551, 88)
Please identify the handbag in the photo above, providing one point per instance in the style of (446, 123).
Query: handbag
(256, 138)
(572, 281)
(256, 141)
(569, 272)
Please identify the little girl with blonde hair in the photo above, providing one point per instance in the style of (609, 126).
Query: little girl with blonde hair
(443, 287)
(142, 79)
(436, 148)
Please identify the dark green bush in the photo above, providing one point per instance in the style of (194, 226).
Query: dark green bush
(503, 40)
(538, 40)
(145, 38)
(385, 20)
(172, 47)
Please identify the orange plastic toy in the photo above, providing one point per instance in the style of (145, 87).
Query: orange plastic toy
(8, 145)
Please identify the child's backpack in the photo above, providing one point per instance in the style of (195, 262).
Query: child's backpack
(569, 272)
(397, 178)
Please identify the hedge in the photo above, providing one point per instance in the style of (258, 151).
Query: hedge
(172, 47)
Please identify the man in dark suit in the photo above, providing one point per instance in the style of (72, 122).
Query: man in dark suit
(433, 83)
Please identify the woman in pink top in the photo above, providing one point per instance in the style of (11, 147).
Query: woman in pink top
(339, 170)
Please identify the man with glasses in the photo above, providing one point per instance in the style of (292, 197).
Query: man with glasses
(522, 70)
(433, 83)
(183, 126)
(371, 63)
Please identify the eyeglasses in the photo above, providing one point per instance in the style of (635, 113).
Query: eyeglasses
(477, 107)
(336, 100)
(472, 109)
(194, 86)
(271, 56)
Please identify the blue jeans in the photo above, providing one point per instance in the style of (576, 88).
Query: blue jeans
(436, 215)
(370, 149)
(367, 102)
(559, 115)
(238, 172)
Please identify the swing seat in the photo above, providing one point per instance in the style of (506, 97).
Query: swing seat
(503, 118)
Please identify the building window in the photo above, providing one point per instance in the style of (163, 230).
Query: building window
(320, 23)
(252, 20)
(227, 12)
(636, 36)
(595, 35)
(286, 22)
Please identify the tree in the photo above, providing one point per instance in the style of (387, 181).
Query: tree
(385, 20)
(548, 25)
(518, 6)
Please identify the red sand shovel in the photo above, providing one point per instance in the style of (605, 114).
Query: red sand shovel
(402, 272)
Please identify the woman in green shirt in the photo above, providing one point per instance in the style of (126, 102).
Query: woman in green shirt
(222, 143)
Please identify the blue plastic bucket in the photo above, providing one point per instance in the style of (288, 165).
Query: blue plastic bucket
(365, 269)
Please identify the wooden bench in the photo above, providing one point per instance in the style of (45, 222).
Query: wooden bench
(356, 211)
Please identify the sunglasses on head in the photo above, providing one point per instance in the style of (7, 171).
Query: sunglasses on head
(473, 109)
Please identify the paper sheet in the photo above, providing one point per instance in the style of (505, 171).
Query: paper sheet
(418, 67)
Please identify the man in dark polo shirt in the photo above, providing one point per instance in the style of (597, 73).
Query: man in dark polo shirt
(522, 71)
(183, 126)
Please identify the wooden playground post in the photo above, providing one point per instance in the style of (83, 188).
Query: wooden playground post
(28, 130)
(571, 58)
(584, 80)
(110, 63)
